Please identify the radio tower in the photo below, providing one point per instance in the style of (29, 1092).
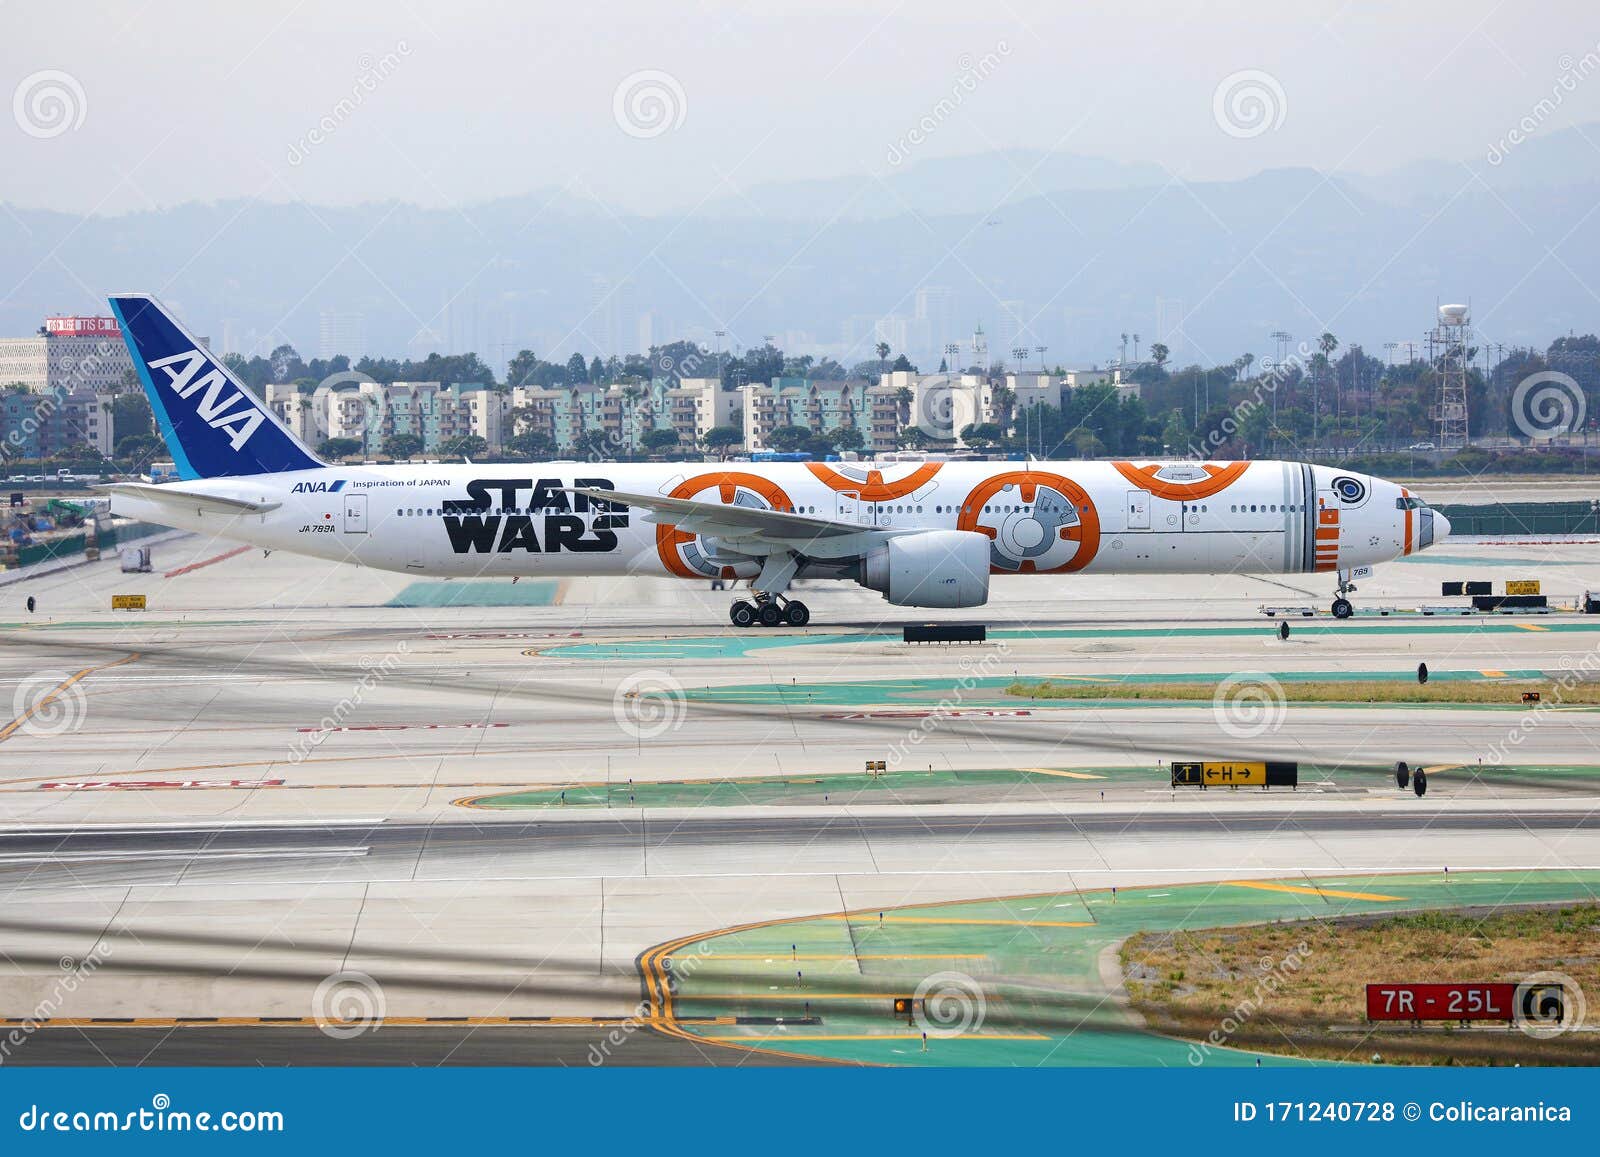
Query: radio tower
(1447, 350)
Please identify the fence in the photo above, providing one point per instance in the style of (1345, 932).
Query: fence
(1523, 518)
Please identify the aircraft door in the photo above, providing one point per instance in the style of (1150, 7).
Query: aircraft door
(850, 508)
(1138, 510)
(355, 514)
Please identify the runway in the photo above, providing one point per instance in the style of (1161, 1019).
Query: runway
(1261, 836)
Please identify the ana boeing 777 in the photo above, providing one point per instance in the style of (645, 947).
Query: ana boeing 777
(924, 534)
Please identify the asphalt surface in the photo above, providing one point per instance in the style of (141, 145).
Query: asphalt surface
(43, 858)
(387, 1045)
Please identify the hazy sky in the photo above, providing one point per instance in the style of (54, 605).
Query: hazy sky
(460, 102)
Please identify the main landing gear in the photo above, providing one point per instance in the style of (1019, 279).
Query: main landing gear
(769, 611)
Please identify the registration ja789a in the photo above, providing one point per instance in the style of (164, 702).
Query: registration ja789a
(1314, 1112)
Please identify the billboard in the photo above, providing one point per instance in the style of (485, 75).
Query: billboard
(82, 327)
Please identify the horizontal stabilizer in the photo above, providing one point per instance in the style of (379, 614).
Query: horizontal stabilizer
(179, 498)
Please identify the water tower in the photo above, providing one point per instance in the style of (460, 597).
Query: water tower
(1448, 344)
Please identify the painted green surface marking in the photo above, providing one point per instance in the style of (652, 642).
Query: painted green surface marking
(1430, 559)
(1036, 977)
(845, 788)
(738, 644)
(528, 593)
(840, 787)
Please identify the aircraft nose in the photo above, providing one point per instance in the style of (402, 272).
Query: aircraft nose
(1441, 527)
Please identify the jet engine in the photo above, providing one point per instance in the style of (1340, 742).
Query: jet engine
(933, 568)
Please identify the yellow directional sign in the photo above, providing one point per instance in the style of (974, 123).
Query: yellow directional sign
(127, 602)
(1233, 773)
(1522, 586)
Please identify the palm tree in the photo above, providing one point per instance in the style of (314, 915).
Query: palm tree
(1327, 343)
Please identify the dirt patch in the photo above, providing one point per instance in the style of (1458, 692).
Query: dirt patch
(1299, 987)
(1491, 692)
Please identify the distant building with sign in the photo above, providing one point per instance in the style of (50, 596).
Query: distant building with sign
(74, 354)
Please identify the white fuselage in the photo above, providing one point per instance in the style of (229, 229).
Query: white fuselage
(1042, 517)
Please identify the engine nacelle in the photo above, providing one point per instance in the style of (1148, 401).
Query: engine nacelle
(934, 568)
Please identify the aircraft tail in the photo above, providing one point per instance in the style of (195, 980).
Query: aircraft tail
(213, 425)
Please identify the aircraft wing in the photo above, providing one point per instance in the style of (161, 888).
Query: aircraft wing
(735, 522)
(180, 498)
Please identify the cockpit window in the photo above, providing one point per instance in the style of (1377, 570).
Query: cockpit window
(1410, 504)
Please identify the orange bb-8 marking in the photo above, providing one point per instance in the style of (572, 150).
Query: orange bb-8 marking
(1218, 479)
(1059, 532)
(875, 489)
(671, 542)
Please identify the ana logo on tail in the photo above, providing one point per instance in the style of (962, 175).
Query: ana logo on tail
(213, 424)
(233, 414)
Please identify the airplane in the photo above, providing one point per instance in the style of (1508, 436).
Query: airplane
(927, 534)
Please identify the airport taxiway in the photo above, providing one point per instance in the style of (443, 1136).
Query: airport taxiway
(259, 782)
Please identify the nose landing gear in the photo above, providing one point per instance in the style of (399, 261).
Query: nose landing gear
(769, 611)
(1341, 605)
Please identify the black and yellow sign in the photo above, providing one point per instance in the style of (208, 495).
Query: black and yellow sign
(127, 602)
(905, 1006)
(877, 765)
(1234, 773)
(1522, 586)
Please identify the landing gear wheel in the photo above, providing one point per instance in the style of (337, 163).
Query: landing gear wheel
(1342, 608)
(770, 614)
(742, 614)
(796, 614)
